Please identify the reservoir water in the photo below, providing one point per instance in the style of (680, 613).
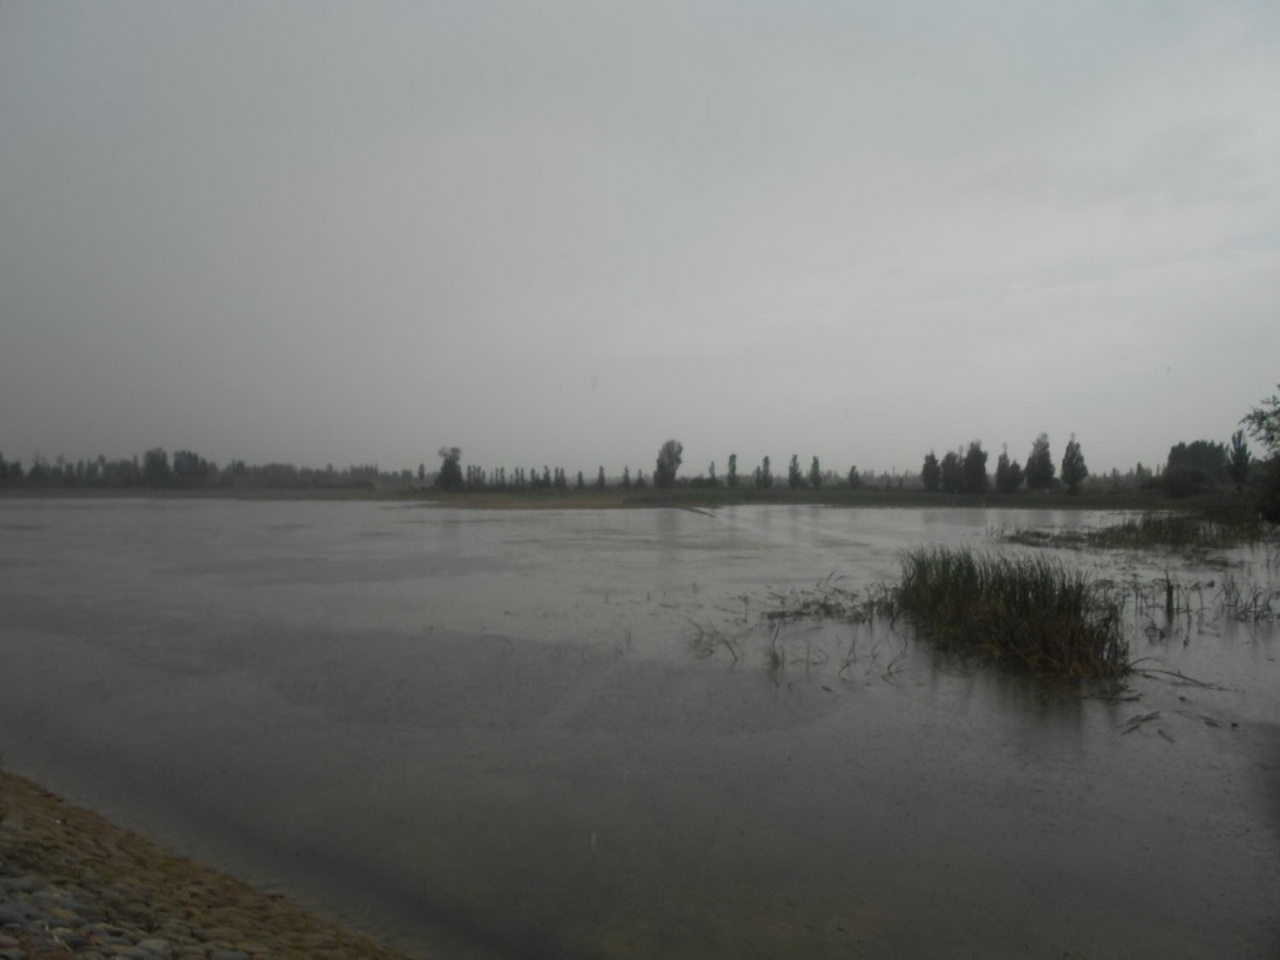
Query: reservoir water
(496, 734)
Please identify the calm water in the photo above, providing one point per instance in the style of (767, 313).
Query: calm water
(487, 734)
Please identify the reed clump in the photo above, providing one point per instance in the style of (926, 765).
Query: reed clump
(1026, 612)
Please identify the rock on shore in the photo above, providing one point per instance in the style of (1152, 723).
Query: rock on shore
(72, 884)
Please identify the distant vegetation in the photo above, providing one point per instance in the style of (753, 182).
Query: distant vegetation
(186, 470)
(1192, 469)
(1176, 531)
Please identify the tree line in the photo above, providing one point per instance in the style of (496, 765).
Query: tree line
(185, 469)
(965, 471)
(1191, 468)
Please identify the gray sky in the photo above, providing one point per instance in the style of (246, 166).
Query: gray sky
(561, 233)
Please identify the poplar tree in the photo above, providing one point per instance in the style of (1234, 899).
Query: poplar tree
(1073, 469)
(1040, 465)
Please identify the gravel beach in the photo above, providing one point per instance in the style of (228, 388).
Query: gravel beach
(72, 884)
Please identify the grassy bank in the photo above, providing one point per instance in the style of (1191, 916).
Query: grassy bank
(1027, 612)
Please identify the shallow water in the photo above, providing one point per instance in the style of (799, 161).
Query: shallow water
(486, 732)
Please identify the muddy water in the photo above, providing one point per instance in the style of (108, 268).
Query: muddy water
(487, 733)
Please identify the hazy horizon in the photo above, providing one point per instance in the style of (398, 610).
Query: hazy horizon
(323, 233)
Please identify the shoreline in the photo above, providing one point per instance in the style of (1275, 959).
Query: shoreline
(616, 499)
(74, 884)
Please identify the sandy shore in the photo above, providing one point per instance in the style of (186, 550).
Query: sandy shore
(72, 884)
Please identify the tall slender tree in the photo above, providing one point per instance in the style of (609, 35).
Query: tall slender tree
(1239, 459)
(1074, 470)
(931, 473)
(1008, 473)
(975, 469)
(794, 477)
(952, 472)
(1040, 465)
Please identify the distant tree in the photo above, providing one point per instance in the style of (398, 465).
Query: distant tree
(1191, 468)
(1039, 470)
(450, 475)
(626, 478)
(600, 479)
(952, 472)
(669, 460)
(422, 473)
(640, 481)
(1263, 424)
(975, 469)
(732, 477)
(1008, 474)
(1016, 475)
(795, 479)
(931, 474)
(1238, 460)
(155, 467)
(765, 481)
(711, 475)
(815, 474)
(1073, 468)
(855, 481)
(189, 467)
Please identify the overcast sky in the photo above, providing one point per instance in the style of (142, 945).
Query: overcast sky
(562, 233)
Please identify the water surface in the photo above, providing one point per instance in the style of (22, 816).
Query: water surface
(486, 733)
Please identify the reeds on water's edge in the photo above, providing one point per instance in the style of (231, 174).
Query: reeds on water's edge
(1028, 612)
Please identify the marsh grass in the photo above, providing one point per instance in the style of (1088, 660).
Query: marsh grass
(1178, 531)
(829, 599)
(1165, 602)
(775, 660)
(707, 638)
(1251, 603)
(1153, 530)
(1030, 613)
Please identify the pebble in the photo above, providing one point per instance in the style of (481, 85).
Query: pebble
(73, 885)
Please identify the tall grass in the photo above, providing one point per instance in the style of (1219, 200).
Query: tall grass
(1028, 612)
